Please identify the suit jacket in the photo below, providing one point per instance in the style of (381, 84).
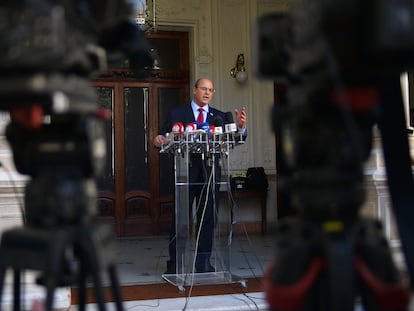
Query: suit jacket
(185, 115)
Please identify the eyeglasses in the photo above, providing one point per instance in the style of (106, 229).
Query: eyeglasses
(205, 89)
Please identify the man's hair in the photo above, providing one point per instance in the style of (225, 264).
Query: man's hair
(197, 81)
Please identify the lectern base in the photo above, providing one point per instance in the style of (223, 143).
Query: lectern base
(208, 278)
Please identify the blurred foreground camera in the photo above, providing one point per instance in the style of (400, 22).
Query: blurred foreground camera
(362, 37)
(48, 47)
(49, 50)
(340, 63)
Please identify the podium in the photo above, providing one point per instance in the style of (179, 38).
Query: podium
(213, 151)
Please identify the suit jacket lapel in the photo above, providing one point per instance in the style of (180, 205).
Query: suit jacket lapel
(189, 115)
(210, 117)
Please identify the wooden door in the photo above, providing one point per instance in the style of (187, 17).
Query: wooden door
(136, 192)
(125, 187)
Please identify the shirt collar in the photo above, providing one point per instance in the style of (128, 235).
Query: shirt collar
(196, 107)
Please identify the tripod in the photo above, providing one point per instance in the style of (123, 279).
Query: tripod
(56, 136)
(44, 251)
(327, 255)
(60, 237)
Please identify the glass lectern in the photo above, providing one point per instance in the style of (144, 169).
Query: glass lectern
(215, 150)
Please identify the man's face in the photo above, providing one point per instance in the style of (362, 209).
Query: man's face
(203, 92)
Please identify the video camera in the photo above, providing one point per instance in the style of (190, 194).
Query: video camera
(48, 52)
(362, 37)
(340, 62)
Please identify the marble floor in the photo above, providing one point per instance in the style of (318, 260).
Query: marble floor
(142, 261)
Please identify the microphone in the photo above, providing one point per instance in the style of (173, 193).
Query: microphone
(229, 126)
(205, 127)
(217, 131)
(177, 128)
(172, 137)
(190, 127)
(218, 125)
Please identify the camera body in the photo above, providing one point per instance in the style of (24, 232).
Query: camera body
(340, 62)
(364, 37)
(49, 50)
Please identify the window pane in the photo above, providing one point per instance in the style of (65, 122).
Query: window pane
(136, 144)
(106, 100)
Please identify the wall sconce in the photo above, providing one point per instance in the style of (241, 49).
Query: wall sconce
(239, 71)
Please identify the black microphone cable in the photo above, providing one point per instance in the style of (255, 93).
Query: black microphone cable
(197, 240)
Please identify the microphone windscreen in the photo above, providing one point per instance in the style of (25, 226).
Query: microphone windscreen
(177, 128)
(218, 121)
(205, 127)
(228, 118)
(190, 127)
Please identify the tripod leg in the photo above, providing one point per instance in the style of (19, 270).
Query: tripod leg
(296, 269)
(16, 290)
(50, 290)
(57, 246)
(339, 253)
(89, 253)
(116, 290)
(380, 281)
(96, 275)
(82, 290)
(2, 277)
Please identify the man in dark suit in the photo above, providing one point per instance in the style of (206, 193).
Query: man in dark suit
(199, 170)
